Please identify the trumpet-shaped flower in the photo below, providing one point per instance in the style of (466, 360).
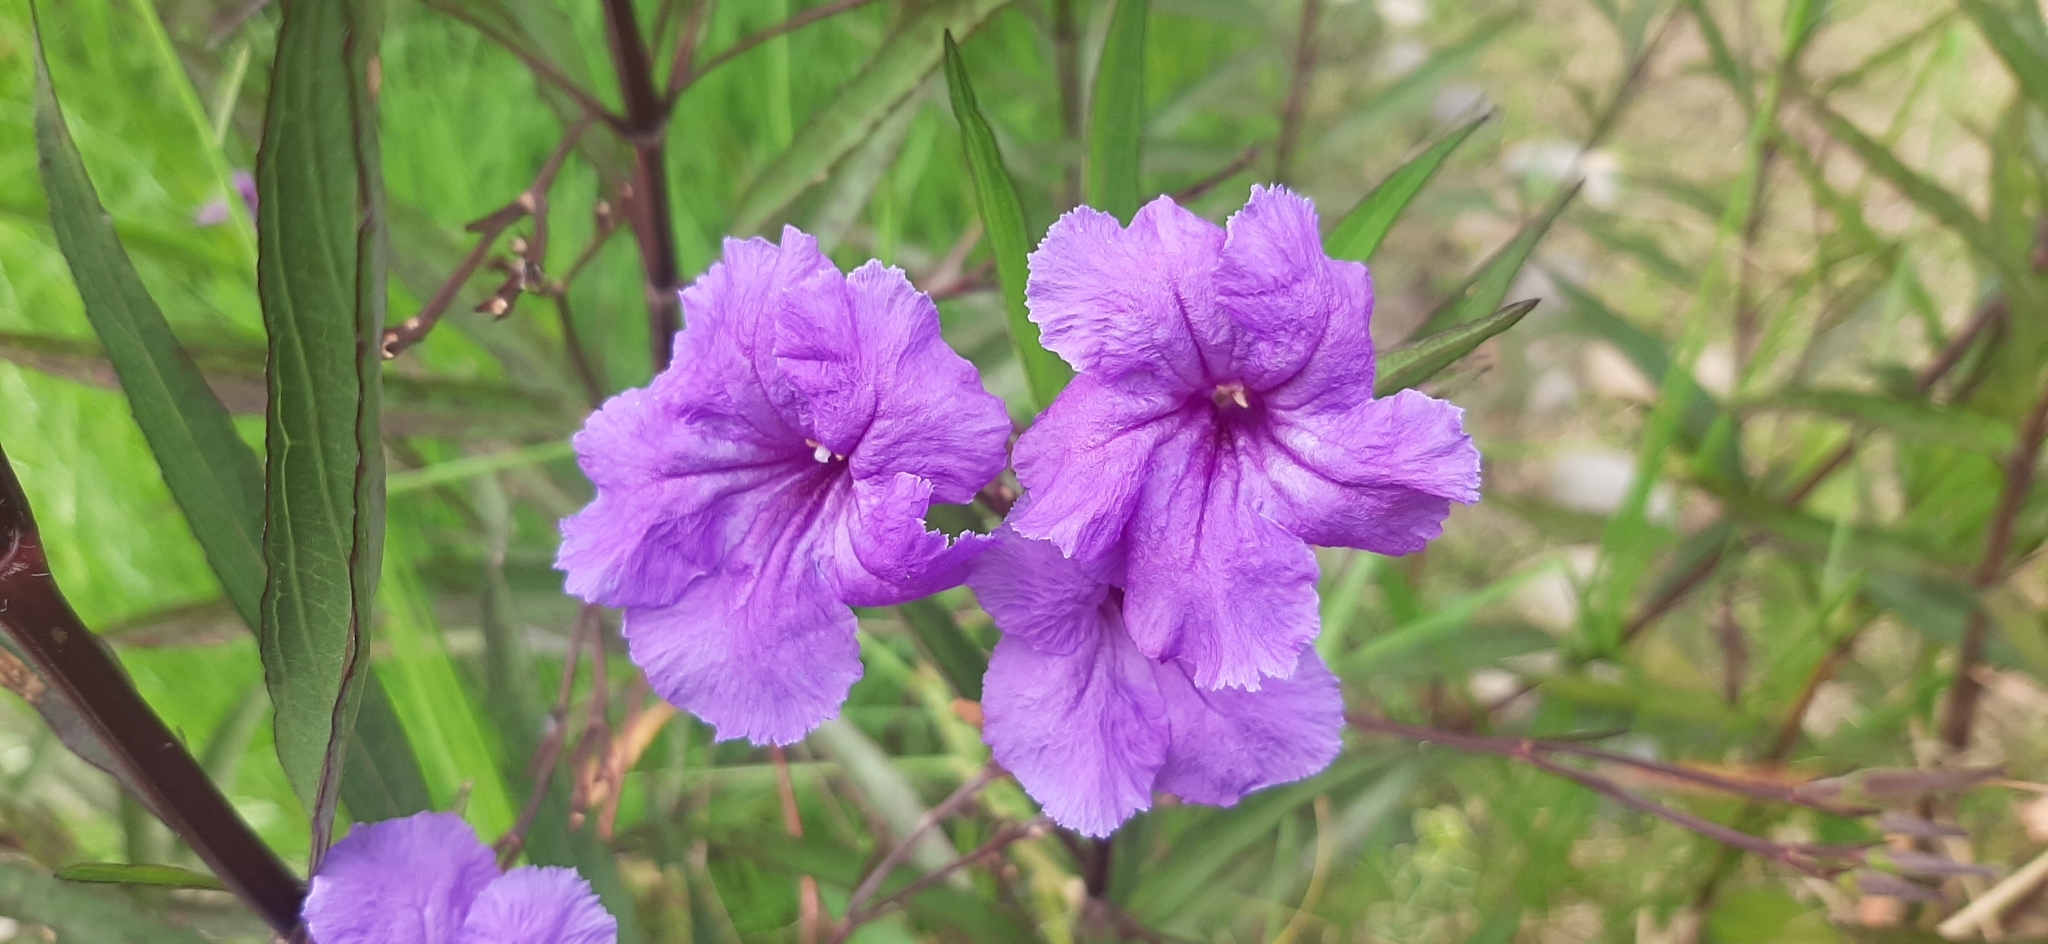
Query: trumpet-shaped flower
(1091, 726)
(428, 879)
(776, 474)
(1221, 420)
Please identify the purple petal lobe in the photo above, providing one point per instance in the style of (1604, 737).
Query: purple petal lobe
(1380, 477)
(1231, 742)
(1212, 581)
(1083, 461)
(884, 555)
(1115, 301)
(1281, 291)
(1051, 602)
(401, 881)
(1084, 733)
(763, 650)
(539, 906)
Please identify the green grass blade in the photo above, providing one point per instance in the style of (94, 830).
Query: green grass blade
(212, 474)
(1116, 120)
(958, 658)
(860, 107)
(381, 778)
(320, 277)
(84, 915)
(1411, 364)
(1002, 217)
(1484, 291)
(122, 873)
(1366, 226)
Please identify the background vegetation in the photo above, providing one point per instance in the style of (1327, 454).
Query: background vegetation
(1759, 518)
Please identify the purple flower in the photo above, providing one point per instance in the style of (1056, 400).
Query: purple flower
(1091, 726)
(215, 212)
(775, 475)
(428, 879)
(1221, 421)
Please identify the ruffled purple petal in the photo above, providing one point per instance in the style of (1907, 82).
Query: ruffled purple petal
(1139, 301)
(1035, 594)
(1283, 294)
(1084, 460)
(401, 881)
(1231, 742)
(762, 649)
(535, 905)
(1211, 580)
(1380, 477)
(1085, 733)
(883, 555)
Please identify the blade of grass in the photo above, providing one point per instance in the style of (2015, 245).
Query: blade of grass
(123, 873)
(320, 277)
(959, 659)
(1411, 364)
(1002, 217)
(1116, 119)
(1366, 226)
(1484, 291)
(84, 915)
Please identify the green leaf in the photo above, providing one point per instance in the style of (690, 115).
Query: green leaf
(1436, 626)
(1116, 119)
(381, 778)
(212, 473)
(122, 873)
(320, 275)
(958, 657)
(884, 789)
(1483, 292)
(1002, 217)
(81, 915)
(861, 105)
(1366, 226)
(1411, 364)
(1910, 419)
(2028, 62)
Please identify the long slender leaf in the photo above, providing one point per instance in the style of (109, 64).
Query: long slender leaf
(959, 659)
(862, 104)
(1366, 226)
(2029, 63)
(1411, 364)
(123, 873)
(1482, 293)
(80, 914)
(320, 276)
(1002, 217)
(1116, 120)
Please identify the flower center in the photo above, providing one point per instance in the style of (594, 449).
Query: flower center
(1230, 394)
(821, 452)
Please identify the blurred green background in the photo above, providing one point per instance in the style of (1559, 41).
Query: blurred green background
(1786, 216)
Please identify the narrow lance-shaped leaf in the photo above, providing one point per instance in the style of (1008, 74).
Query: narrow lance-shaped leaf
(1116, 122)
(1483, 292)
(1002, 217)
(320, 275)
(123, 873)
(82, 914)
(212, 474)
(958, 658)
(860, 107)
(1411, 364)
(1363, 229)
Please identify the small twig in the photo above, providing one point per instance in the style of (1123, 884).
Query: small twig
(1818, 860)
(932, 817)
(597, 735)
(648, 211)
(1964, 692)
(1199, 188)
(1003, 838)
(1066, 54)
(947, 275)
(545, 755)
(685, 54)
(538, 65)
(228, 25)
(531, 202)
(1291, 111)
(807, 905)
(746, 45)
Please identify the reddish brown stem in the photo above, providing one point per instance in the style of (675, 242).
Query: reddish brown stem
(648, 211)
(549, 751)
(1291, 112)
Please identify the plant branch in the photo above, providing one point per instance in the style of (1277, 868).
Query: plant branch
(537, 64)
(1003, 838)
(1291, 111)
(1964, 692)
(648, 208)
(533, 202)
(932, 817)
(36, 616)
(744, 46)
(549, 751)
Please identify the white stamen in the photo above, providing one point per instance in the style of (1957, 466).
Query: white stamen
(1237, 397)
(818, 450)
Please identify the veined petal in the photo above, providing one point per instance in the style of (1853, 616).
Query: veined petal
(1380, 477)
(881, 553)
(1082, 463)
(534, 905)
(1034, 593)
(761, 649)
(1084, 733)
(1282, 293)
(1114, 301)
(1231, 742)
(401, 881)
(1211, 580)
